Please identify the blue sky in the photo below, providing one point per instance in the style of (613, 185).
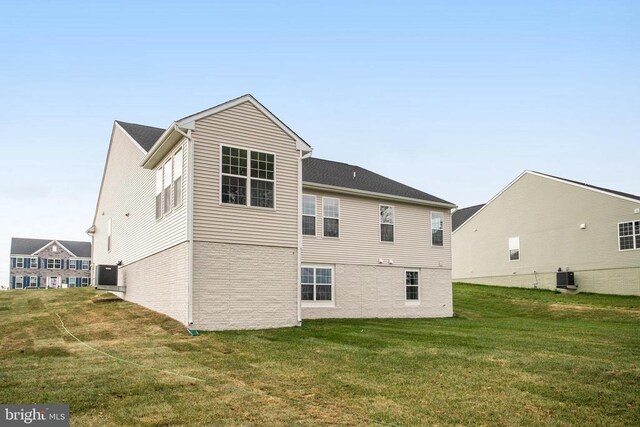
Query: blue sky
(454, 98)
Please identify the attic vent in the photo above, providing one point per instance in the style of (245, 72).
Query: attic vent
(354, 174)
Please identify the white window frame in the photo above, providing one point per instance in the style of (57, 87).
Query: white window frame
(73, 264)
(54, 248)
(392, 223)
(248, 178)
(15, 285)
(33, 281)
(20, 260)
(31, 259)
(315, 215)
(434, 214)
(633, 235)
(87, 263)
(167, 184)
(324, 199)
(75, 281)
(84, 281)
(158, 207)
(178, 173)
(514, 245)
(412, 301)
(51, 264)
(109, 229)
(320, 303)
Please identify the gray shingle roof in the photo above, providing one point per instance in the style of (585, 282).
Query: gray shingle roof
(22, 246)
(343, 175)
(461, 215)
(146, 136)
(607, 190)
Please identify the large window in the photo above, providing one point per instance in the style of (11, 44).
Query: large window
(437, 229)
(54, 264)
(317, 283)
(308, 215)
(330, 217)
(514, 248)
(629, 235)
(387, 222)
(177, 178)
(247, 183)
(412, 285)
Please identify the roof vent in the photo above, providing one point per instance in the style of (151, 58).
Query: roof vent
(354, 174)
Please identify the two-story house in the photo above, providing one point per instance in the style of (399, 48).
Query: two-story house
(42, 263)
(223, 221)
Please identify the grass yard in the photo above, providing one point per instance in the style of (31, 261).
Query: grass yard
(510, 357)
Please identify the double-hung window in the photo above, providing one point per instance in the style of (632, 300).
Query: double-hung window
(514, 248)
(316, 283)
(177, 178)
(71, 282)
(159, 193)
(248, 177)
(19, 282)
(437, 229)
(166, 186)
(629, 235)
(387, 222)
(20, 262)
(308, 215)
(33, 281)
(54, 264)
(86, 281)
(330, 217)
(72, 264)
(412, 285)
(85, 264)
(33, 262)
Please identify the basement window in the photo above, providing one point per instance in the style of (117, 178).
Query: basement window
(412, 285)
(316, 283)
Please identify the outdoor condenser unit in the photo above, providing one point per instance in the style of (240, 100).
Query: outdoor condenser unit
(565, 280)
(106, 275)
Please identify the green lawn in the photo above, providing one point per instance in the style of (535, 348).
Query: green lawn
(509, 357)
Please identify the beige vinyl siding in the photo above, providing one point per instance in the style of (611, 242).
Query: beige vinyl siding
(546, 215)
(128, 198)
(244, 126)
(359, 242)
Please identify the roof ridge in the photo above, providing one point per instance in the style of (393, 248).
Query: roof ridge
(596, 187)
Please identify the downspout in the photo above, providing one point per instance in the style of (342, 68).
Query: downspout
(299, 286)
(190, 175)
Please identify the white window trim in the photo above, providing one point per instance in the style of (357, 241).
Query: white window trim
(412, 301)
(332, 217)
(315, 214)
(433, 213)
(248, 178)
(21, 262)
(84, 281)
(75, 281)
(517, 238)
(54, 248)
(169, 162)
(33, 258)
(175, 176)
(88, 264)
(53, 262)
(31, 281)
(320, 304)
(73, 264)
(160, 173)
(15, 285)
(632, 235)
(109, 230)
(393, 223)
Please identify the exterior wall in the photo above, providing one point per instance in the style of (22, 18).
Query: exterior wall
(359, 242)
(621, 281)
(43, 272)
(546, 215)
(244, 126)
(128, 198)
(244, 286)
(159, 282)
(363, 291)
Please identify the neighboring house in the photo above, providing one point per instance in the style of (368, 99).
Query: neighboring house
(540, 224)
(41, 263)
(221, 221)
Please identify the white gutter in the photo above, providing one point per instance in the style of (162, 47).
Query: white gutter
(372, 194)
(190, 176)
(299, 286)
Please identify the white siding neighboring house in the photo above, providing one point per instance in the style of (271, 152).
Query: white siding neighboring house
(539, 224)
(205, 221)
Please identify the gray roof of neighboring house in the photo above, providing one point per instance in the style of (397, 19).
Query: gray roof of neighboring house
(21, 246)
(617, 193)
(343, 175)
(460, 216)
(146, 136)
